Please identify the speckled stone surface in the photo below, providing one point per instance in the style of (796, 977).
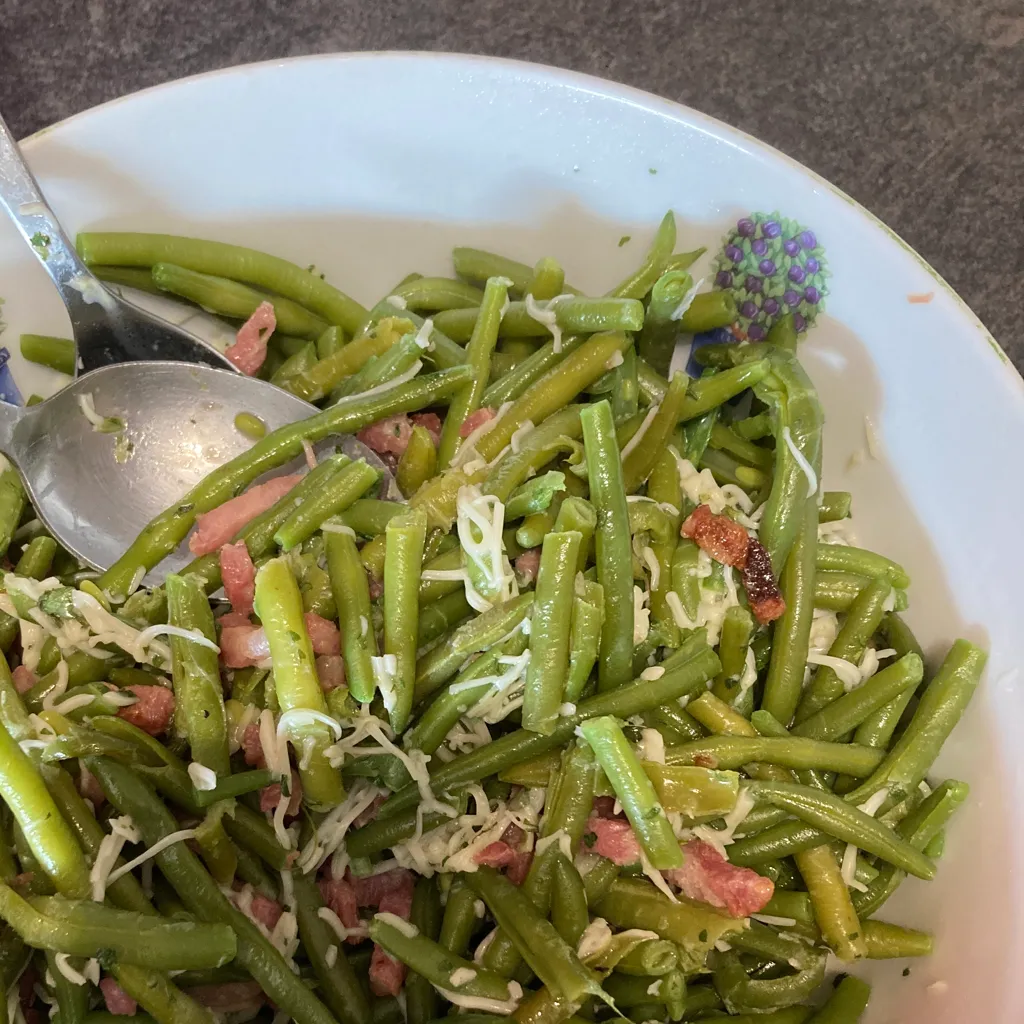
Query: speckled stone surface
(913, 107)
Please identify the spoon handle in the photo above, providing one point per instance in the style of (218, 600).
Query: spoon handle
(21, 197)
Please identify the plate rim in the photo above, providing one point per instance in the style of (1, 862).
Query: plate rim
(607, 89)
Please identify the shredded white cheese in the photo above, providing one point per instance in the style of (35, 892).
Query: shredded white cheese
(485, 1005)
(635, 440)
(686, 301)
(652, 746)
(461, 976)
(480, 520)
(544, 313)
(203, 778)
(407, 928)
(641, 615)
(801, 461)
(848, 673)
(158, 847)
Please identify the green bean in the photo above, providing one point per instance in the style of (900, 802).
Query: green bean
(56, 353)
(490, 315)
(668, 990)
(548, 279)
(753, 428)
(737, 627)
(710, 392)
(797, 415)
(844, 715)
(647, 958)
(693, 927)
(639, 463)
(124, 892)
(634, 791)
(80, 927)
(478, 265)
(12, 505)
(352, 595)
(846, 1004)
(437, 666)
(48, 835)
(168, 529)
(405, 538)
(203, 898)
(692, 791)
(535, 939)
(441, 350)
(521, 745)
(550, 633)
(844, 821)
(940, 708)
(199, 694)
(842, 558)
(72, 1000)
(131, 277)
(575, 314)
(535, 495)
(421, 999)
(393, 828)
(165, 1002)
(727, 470)
(460, 920)
(234, 786)
(37, 558)
(731, 752)
(675, 725)
(551, 392)
(899, 636)
(791, 632)
(597, 882)
(231, 299)
(334, 497)
(918, 828)
(661, 329)
(516, 381)
(368, 517)
(891, 942)
(834, 912)
(435, 293)
(418, 462)
(861, 622)
(131, 249)
(570, 795)
(726, 439)
(742, 994)
(440, 617)
(614, 557)
(337, 981)
(434, 724)
(837, 591)
(279, 606)
(329, 342)
(640, 282)
(835, 505)
(585, 637)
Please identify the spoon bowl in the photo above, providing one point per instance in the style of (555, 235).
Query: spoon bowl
(95, 490)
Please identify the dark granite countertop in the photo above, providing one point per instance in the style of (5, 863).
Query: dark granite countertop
(913, 107)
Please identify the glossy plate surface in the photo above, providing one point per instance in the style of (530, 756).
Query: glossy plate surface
(372, 166)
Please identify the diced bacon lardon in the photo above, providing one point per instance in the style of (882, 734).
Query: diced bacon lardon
(765, 598)
(476, 419)
(238, 575)
(612, 838)
(721, 537)
(388, 436)
(220, 524)
(330, 670)
(24, 679)
(252, 746)
(249, 349)
(706, 876)
(528, 565)
(430, 422)
(265, 910)
(243, 646)
(118, 1001)
(153, 710)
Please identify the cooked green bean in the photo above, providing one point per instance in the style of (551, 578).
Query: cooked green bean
(550, 631)
(56, 353)
(418, 462)
(842, 558)
(352, 596)
(338, 494)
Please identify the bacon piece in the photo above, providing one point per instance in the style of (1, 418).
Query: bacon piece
(250, 346)
(340, 896)
(89, 786)
(613, 838)
(394, 886)
(477, 419)
(604, 807)
(24, 679)
(265, 910)
(229, 996)
(238, 575)
(386, 973)
(270, 797)
(252, 746)
(117, 1000)
(722, 538)
(323, 634)
(330, 670)
(706, 876)
(388, 436)
(528, 564)
(153, 711)
(763, 594)
(519, 868)
(495, 855)
(220, 524)
(242, 646)
(514, 836)
(233, 619)
(376, 586)
(24, 880)
(370, 814)
(430, 422)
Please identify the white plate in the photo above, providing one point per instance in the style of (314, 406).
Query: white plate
(371, 166)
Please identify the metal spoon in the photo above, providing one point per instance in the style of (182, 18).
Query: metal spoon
(107, 328)
(95, 491)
